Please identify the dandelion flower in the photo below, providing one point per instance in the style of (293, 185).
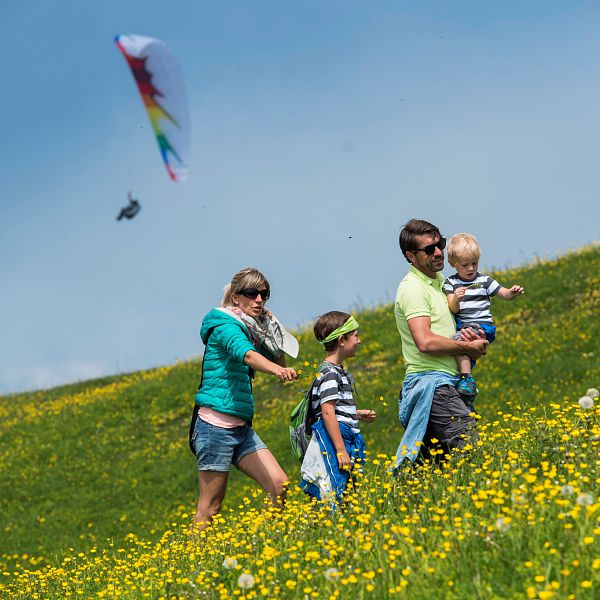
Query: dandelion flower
(593, 393)
(230, 563)
(586, 402)
(585, 500)
(246, 581)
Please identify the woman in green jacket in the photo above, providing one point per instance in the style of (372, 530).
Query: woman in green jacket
(239, 339)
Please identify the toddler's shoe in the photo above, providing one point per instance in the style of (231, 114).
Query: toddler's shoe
(467, 386)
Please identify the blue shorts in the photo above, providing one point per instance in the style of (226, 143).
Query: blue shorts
(217, 448)
(488, 329)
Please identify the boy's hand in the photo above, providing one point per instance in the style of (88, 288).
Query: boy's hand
(460, 292)
(366, 414)
(344, 461)
(516, 290)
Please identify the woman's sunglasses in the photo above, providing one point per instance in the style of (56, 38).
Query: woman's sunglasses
(430, 249)
(253, 293)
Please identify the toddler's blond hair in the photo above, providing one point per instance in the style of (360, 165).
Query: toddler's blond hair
(462, 246)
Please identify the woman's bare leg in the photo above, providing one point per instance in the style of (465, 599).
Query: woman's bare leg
(264, 469)
(212, 491)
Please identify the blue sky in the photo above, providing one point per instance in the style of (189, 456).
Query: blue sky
(318, 129)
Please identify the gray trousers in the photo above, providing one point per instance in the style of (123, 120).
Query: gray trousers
(449, 422)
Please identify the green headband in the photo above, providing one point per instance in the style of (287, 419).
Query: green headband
(350, 325)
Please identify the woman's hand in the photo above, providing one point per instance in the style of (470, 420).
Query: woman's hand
(285, 373)
(366, 414)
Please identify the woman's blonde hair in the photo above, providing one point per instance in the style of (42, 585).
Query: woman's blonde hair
(461, 246)
(246, 278)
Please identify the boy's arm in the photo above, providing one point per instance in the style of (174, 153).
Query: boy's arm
(333, 429)
(510, 293)
(454, 299)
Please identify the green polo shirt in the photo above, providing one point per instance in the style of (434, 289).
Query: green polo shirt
(421, 296)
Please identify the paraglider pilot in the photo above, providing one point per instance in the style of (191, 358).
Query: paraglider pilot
(132, 209)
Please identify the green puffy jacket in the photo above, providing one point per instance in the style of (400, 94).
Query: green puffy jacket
(226, 379)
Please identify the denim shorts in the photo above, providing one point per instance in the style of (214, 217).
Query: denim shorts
(217, 448)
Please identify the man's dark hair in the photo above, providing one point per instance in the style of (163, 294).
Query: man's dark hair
(328, 323)
(409, 233)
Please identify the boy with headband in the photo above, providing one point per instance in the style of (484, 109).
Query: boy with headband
(336, 442)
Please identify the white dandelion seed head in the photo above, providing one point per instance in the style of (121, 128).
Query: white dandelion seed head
(567, 490)
(332, 574)
(585, 500)
(586, 402)
(245, 581)
(593, 393)
(502, 524)
(230, 563)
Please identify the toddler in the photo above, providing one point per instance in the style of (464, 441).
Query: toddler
(469, 295)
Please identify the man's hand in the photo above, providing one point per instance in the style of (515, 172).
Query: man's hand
(476, 343)
(476, 348)
(468, 334)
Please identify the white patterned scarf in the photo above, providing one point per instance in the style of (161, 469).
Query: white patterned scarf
(266, 332)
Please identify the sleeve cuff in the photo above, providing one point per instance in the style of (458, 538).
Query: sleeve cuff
(417, 314)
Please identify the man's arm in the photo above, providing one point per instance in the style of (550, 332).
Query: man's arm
(437, 345)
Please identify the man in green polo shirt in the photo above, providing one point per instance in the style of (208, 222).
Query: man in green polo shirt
(429, 405)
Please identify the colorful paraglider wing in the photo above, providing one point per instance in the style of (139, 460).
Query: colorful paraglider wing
(160, 82)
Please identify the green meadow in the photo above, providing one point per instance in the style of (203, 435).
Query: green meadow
(97, 483)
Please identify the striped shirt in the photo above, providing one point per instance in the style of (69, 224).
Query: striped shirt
(335, 385)
(475, 305)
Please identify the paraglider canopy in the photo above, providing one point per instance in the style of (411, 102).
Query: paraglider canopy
(160, 82)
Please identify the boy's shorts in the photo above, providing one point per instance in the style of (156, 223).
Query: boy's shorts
(217, 448)
(488, 329)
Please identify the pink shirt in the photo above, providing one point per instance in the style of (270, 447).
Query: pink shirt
(219, 419)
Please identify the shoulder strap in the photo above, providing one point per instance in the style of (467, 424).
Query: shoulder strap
(336, 369)
(195, 409)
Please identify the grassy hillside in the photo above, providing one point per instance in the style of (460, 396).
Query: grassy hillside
(86, 464)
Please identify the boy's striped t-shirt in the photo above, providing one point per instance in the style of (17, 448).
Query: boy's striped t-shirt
(335, 385)
(475, 305)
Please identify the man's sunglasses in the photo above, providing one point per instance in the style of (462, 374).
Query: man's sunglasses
(253, 293)
(430, 249)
